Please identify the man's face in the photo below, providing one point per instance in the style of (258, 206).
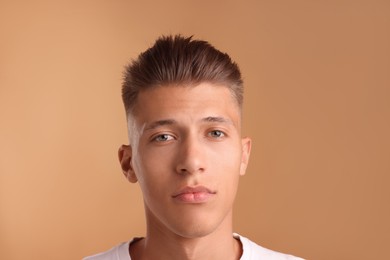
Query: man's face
(187, 155)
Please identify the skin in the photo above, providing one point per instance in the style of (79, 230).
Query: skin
(186, 137)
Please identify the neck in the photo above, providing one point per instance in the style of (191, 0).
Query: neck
(164, 244)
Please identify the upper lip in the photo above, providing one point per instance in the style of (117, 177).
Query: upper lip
(196, 189)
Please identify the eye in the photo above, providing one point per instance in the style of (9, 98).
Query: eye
(216, 134)
(163, 138)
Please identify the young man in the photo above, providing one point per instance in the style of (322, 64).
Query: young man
(183, 102)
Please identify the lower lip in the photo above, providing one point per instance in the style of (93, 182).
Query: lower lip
(194, 197)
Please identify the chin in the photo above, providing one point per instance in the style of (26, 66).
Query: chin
(193, 232)
(195, 227)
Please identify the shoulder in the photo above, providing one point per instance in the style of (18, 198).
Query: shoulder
(252, 251)
(119, 252)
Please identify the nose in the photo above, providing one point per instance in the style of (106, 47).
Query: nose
(191, 156)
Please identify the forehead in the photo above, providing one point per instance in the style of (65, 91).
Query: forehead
(186, 102)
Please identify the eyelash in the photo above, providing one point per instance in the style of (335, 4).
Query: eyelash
(221, 134)
(169, 137)
(156, 138)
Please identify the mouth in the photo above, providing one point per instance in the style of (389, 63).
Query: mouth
(198, 194)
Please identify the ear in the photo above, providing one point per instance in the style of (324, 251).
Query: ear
(125, 155)
(246, 144)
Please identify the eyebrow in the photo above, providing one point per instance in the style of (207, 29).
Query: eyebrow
(217, 119)
(159, 123)
(209, 119)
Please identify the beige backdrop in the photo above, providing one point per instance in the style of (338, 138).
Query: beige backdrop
(317, 77)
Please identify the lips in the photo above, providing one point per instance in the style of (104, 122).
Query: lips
(198, 194)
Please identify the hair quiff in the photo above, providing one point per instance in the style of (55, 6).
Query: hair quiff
(177, 60)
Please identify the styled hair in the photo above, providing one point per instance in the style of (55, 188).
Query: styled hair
(180, 61)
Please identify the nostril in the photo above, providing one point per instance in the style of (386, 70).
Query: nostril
(185, 171)
(190, 159)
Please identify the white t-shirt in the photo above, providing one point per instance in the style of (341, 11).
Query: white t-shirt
(251, 251)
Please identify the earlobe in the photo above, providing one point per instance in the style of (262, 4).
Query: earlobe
(125, 156)
(246, 144)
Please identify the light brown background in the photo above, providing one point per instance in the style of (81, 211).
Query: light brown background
(317, 107)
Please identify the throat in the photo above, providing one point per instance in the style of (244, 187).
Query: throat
(186, 249)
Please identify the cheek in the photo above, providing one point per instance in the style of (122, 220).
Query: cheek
(152, 170)
(229, 158)
(226, 171)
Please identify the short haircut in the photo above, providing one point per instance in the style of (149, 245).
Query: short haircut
(180, 61)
